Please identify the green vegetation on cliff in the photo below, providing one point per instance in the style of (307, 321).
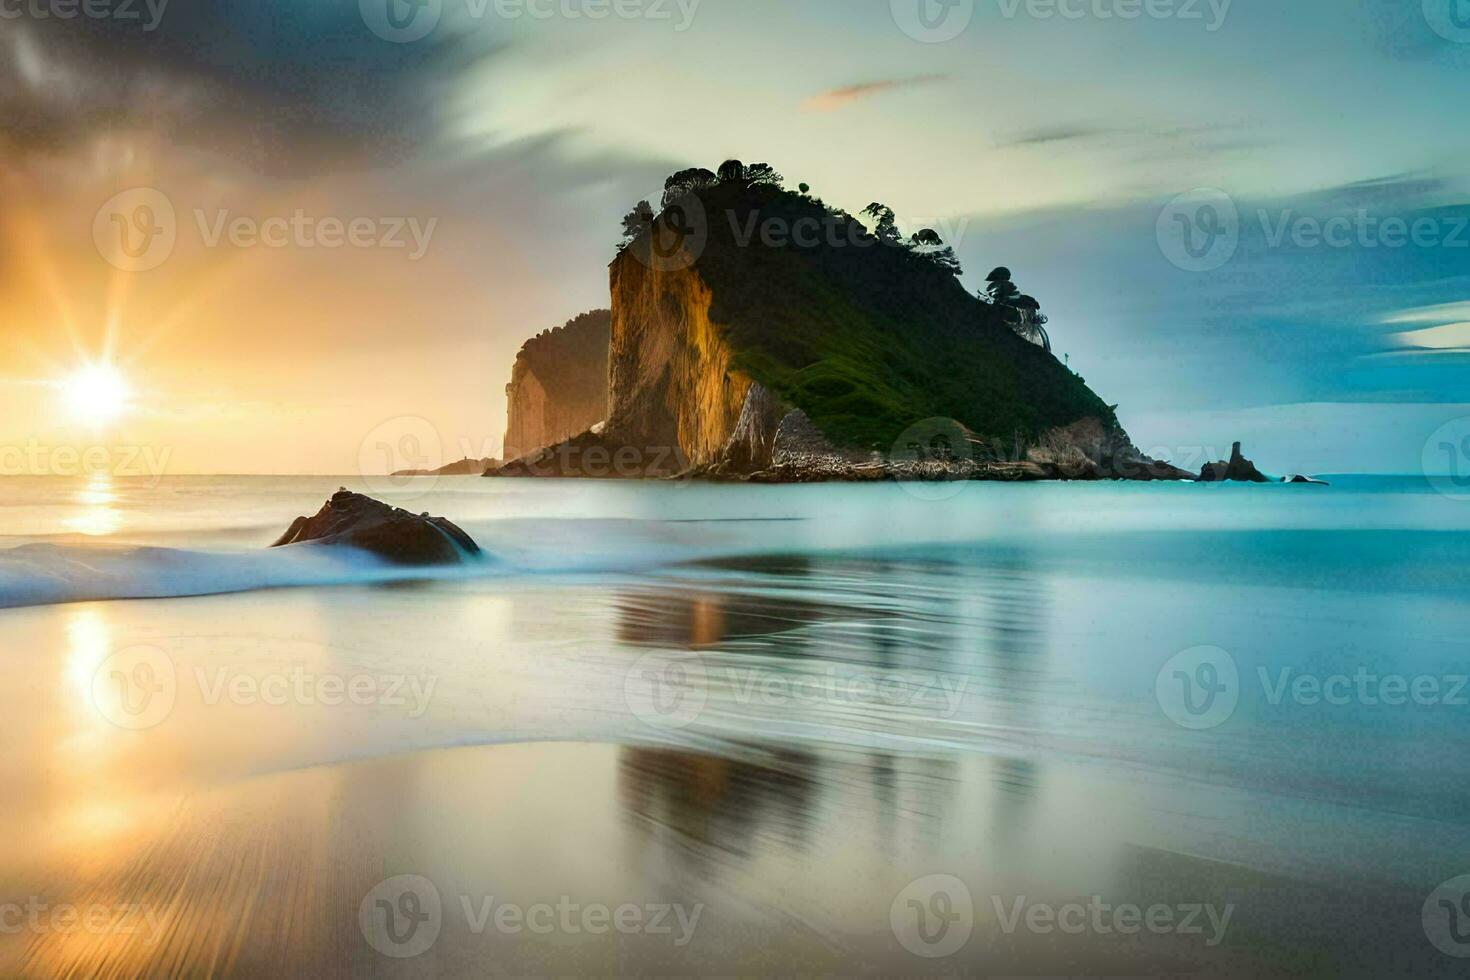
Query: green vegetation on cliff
(868, 334)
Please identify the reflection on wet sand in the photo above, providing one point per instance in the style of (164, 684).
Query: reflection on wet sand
(247, 836)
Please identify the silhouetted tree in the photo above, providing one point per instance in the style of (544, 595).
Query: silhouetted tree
(887, 223)
(763, 173)
(926, 237)
(732, 172)
(999, 289)
(686, 182)
(946, 260)
(1030, 322)
(636, 221)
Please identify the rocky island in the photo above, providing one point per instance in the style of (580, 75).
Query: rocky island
(757, 334)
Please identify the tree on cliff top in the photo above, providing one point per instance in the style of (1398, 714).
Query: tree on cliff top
(635, 222)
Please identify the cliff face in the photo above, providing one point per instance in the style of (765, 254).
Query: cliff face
(559, 385)
(673, 382)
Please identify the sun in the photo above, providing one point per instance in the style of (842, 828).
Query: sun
(96, 394)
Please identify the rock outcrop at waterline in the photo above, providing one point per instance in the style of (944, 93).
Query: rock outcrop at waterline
(469, 466)
(353, 520)
(559, 385)
(1237, 469)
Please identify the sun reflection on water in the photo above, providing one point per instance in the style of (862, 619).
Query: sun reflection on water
(98, 517)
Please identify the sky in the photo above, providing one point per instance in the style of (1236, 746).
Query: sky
(1247, 219)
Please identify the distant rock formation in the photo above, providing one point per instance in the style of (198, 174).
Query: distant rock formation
(353, 520)
(559, 385)
(465, 467)
(1238, 470)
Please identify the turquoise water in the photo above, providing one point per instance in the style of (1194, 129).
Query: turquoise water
(818, 714)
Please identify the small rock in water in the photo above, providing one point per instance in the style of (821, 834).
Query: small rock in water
(391, 533)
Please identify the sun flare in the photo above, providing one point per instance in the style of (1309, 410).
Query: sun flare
(96, 394)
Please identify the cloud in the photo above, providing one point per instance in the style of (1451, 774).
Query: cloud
(289, 88)
(1056, 134)
(840, 98)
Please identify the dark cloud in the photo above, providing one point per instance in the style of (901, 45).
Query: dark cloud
(838, 98)
(286, 87)
(1056, 134)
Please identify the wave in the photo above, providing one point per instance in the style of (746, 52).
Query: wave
(45, 574)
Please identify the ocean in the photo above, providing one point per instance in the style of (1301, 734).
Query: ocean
(680, 728)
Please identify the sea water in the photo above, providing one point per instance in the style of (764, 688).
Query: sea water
(965, 728)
